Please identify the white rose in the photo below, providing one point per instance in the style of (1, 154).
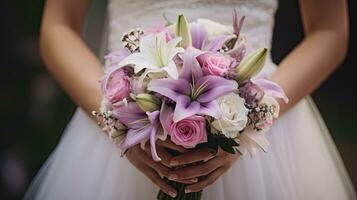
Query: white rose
(234, 115)
(215, 29)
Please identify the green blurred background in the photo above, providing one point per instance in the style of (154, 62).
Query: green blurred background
(34, 110)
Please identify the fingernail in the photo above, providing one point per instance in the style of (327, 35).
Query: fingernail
(172, 194)
(173, 176)
(194, 180)
(174, 163)
(187, 190)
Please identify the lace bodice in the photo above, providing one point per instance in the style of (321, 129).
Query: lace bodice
(128, 14)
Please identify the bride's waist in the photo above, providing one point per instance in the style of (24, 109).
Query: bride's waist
(258, 24)
(140, 6)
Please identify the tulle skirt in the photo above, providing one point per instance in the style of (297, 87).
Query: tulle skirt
(302, 163)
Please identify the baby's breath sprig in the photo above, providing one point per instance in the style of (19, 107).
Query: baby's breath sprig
(131, 39)
(260, 114)
(103, 119)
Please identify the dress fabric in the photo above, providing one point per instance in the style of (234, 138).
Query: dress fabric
(302, 162)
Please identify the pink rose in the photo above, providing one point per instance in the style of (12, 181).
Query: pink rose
(158, 29)
(187, 132)
(118, 87)
(214, 63)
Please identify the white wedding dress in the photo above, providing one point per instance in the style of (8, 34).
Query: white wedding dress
(301, 164)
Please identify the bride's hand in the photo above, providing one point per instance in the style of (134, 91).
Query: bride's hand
(143, 161)
(212, 167)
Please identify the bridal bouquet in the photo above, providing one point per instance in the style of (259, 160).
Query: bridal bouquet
(191, 83)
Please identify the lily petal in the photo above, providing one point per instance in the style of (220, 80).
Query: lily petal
(170, 88)
(217, 43)
(134, 137)
(185, 108)
(216, 87)
(199, 35)
(164, 115)
(250, 141)
(155, 55)
(153, 117)
(191, 68)
(153, 144)
(140, 60)
(271, 88)
(144, 74)
(172, 50)
(171, 70)
(129, 114)
(211, 109)
(149, 44)
(115, 57)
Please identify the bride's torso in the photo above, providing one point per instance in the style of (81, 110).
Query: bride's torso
(128, 14)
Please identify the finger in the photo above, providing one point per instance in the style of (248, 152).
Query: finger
(157, 166)
(192, 156)
(162, 170)
(170, 145)
(188, 181)
(162, 153)
(209, 180)
(165, 156)
(156, 179)
(195, 171)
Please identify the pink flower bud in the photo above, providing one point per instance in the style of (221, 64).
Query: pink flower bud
(118, 87)
(214, 63)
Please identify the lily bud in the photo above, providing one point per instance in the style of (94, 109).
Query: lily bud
(251, 65)
(183, 31)
(117, 133)
(147, 102)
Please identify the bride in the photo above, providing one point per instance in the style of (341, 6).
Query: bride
(302, 162)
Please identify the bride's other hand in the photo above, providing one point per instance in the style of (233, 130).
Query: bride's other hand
(164, 150)
(210, 169)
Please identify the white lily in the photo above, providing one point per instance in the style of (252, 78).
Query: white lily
(155, 56)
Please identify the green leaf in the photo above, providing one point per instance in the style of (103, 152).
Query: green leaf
(231, 141)
(227, 148)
